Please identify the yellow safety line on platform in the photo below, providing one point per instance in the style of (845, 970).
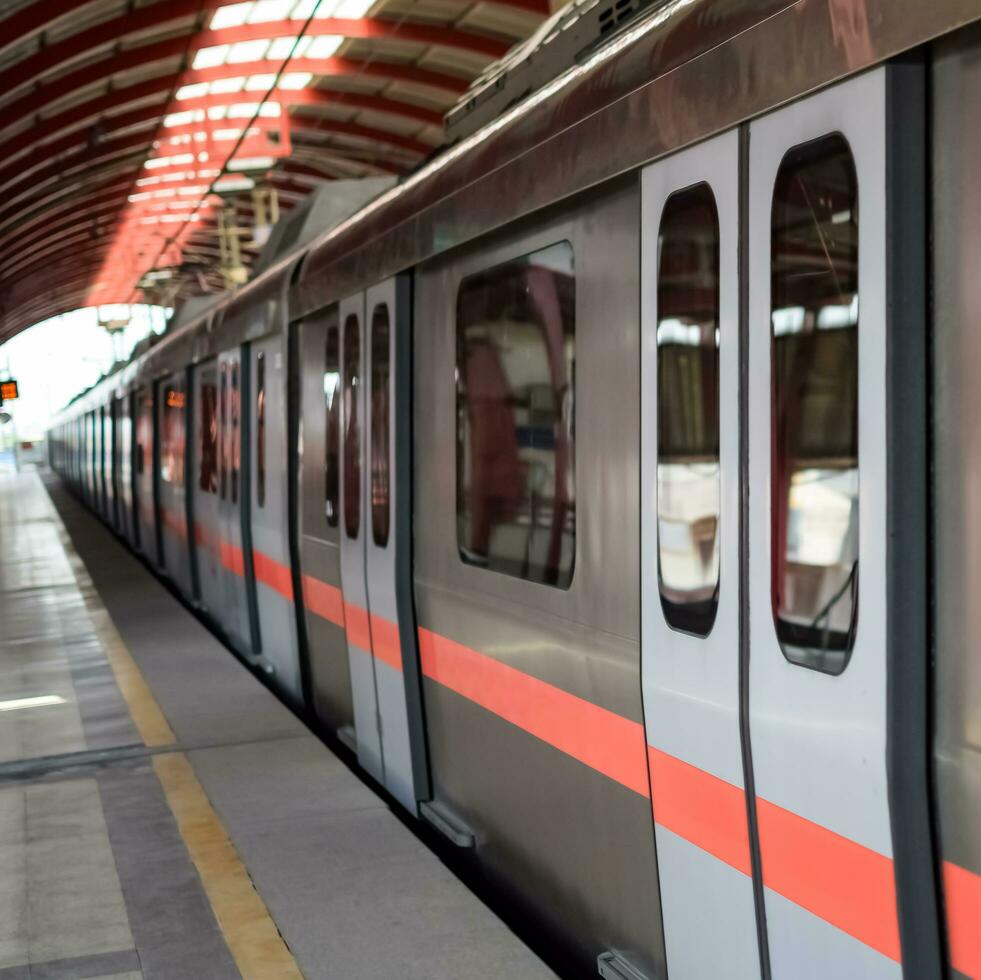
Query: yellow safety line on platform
(260, 952)
(143, 708)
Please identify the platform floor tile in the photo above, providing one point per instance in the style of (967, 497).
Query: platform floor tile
(164, 816)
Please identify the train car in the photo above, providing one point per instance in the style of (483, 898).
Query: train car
(607, 486)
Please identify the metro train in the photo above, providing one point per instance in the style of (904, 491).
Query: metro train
(610, 485)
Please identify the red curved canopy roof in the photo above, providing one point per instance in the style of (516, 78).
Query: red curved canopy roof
(122, 121)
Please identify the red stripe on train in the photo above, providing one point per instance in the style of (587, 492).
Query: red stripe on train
(386, 642)
(271, 573)
(706, 811)
(230, 556)
(844, 883)
(174, 522)
(847, 885)
(962, 891)
(600, 739)
(323, 600)
(850, 886)
(358, 630)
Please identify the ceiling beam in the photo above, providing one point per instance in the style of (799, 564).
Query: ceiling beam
(42, 98)
(143, 19)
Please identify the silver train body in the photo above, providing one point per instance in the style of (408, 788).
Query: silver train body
(425, 474)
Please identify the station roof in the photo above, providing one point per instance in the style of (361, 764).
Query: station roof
(126, 126)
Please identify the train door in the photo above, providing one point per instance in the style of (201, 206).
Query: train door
(172, 426)
(105, 463)
(357, 628)
(112, 468)
(376, 537)
(690, 559)
(98, 486)
(388, 537)
(204, 487)
(318, 500)
(269, 516)
(234, 615)
(124, 443)
(85, 456)
(145, 503)
(819, 578)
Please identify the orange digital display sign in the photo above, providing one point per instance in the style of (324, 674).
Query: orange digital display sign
(8, 391)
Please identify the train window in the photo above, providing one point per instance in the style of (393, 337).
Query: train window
(380, 384)
(223, 429)
(352, 427)
(235, 449)
(260, 429)
(208, 475)
(332, 408)
(688, 472)
(515, 370)
(172, 436)
(814, 321)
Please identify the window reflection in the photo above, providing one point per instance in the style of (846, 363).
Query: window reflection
(172, 436)
(224, 429)
(234, 397)
(352, 426)
(380, 476)
(515, 411)
(208, 473)
(688, 488)
(332, 406)
(260, 429)
(814, 320)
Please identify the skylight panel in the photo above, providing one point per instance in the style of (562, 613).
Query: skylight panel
(237, 183)
(282, 47)
(222, 86)
(352, 9)
(265, 11)
(168, 161)
(179, 118)
(259, 83)
(210, 57)
(243, 110)
(250, 163)
(194, 91)
(233, 15)
(295, 80)
(324, 47)
(304, 8)
(248, 51)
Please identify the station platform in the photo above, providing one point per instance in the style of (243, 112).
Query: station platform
(163, 815)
